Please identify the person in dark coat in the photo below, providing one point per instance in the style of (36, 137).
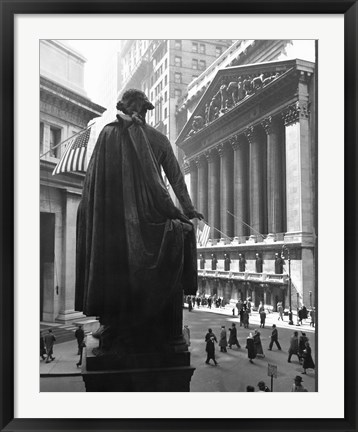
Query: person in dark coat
(142, 248)
(302, 345)
(262, 318)
(258, 344)
(80, 335)
(223, 339)
(250, 346)
(210, 340)
(307, 358)
(293, 347)
(274, 338)
(210, 301)
(263, 387)
(233, 336)
(49, 340)
(190, 305)
(42, 347)
(313, 317)
(245, 318)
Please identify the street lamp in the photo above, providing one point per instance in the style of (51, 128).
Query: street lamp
(285, 249)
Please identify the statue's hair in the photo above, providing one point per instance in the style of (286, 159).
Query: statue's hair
(131, 95)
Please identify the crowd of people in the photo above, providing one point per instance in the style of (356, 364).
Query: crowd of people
(299, 345)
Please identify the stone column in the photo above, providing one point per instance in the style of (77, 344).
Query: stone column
(241, 204)
(67, 293)
(202, 185)
(257, 201)
(213, 192)
(299, 177)
(193, 182)
(275, 200)
(226, 189)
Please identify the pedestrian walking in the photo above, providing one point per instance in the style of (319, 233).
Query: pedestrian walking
(233, 336)
(250, 346)
(245, 318)
(307, 358)
(190, 305)
(262, 318)
(223, 339)
(80, 335)
(302, 345)
(263, 387)
(210, 301)
(280, 310)
(83, 345)
(49, 339)
(274, 338)
(186, 334)
(313, 317)
(293, 347)
(210, 340)
(297, 385)
(42, 347)
(198, 301)
(241, 314)
(258, 344)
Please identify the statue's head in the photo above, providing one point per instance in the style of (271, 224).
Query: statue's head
(134, 101)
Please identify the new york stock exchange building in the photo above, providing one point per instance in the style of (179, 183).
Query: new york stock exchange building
(250, 162)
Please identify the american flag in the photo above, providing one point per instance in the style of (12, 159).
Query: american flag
(202, 233)
(74, 157)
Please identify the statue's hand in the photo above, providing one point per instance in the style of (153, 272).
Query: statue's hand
(195, 215)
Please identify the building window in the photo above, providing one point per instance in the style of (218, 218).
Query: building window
(177, 44)
(166, 80)
(202, 48)
(55, 138)
(218, 51)
(165, 113)
(194, 47)
(165, 96)
(177, 77)
(202, 65)
(194, 64)
(166, 63)
(177, 61)
(177, 93)
(165, 130)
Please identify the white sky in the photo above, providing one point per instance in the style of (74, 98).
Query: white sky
(96, 52)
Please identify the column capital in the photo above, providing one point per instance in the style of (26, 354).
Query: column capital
(211, 155)
(234, 142)
(186, 166)
(294, 112)
(221, 149)
(267, 125)
(200, 160)
(251, 133)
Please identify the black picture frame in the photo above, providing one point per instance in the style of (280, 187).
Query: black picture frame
(8, 11)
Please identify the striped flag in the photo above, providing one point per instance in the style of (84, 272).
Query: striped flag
(74, 157)
(202, 233)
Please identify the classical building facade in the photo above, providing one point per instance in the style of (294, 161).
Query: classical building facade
(64, 110)
(250, 148)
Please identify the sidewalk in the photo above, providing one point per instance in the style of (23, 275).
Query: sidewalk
(254, 319)
(65, 361)
(66, 353)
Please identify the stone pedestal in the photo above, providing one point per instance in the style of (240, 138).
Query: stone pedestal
(153, 372)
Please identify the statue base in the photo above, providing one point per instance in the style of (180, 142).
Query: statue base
(145, 372)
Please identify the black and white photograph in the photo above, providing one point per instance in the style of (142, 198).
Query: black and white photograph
(178, 215)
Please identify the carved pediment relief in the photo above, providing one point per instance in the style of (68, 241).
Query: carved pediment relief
(230, 88)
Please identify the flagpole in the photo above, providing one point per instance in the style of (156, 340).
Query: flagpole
(67, 139)
(253, 229)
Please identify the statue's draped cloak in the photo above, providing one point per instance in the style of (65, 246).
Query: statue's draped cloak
(131, 249)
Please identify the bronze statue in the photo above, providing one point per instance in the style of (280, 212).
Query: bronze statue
(259, 263)
(136, 250)
(242, 262)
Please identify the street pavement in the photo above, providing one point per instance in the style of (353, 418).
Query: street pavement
(234, 371)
